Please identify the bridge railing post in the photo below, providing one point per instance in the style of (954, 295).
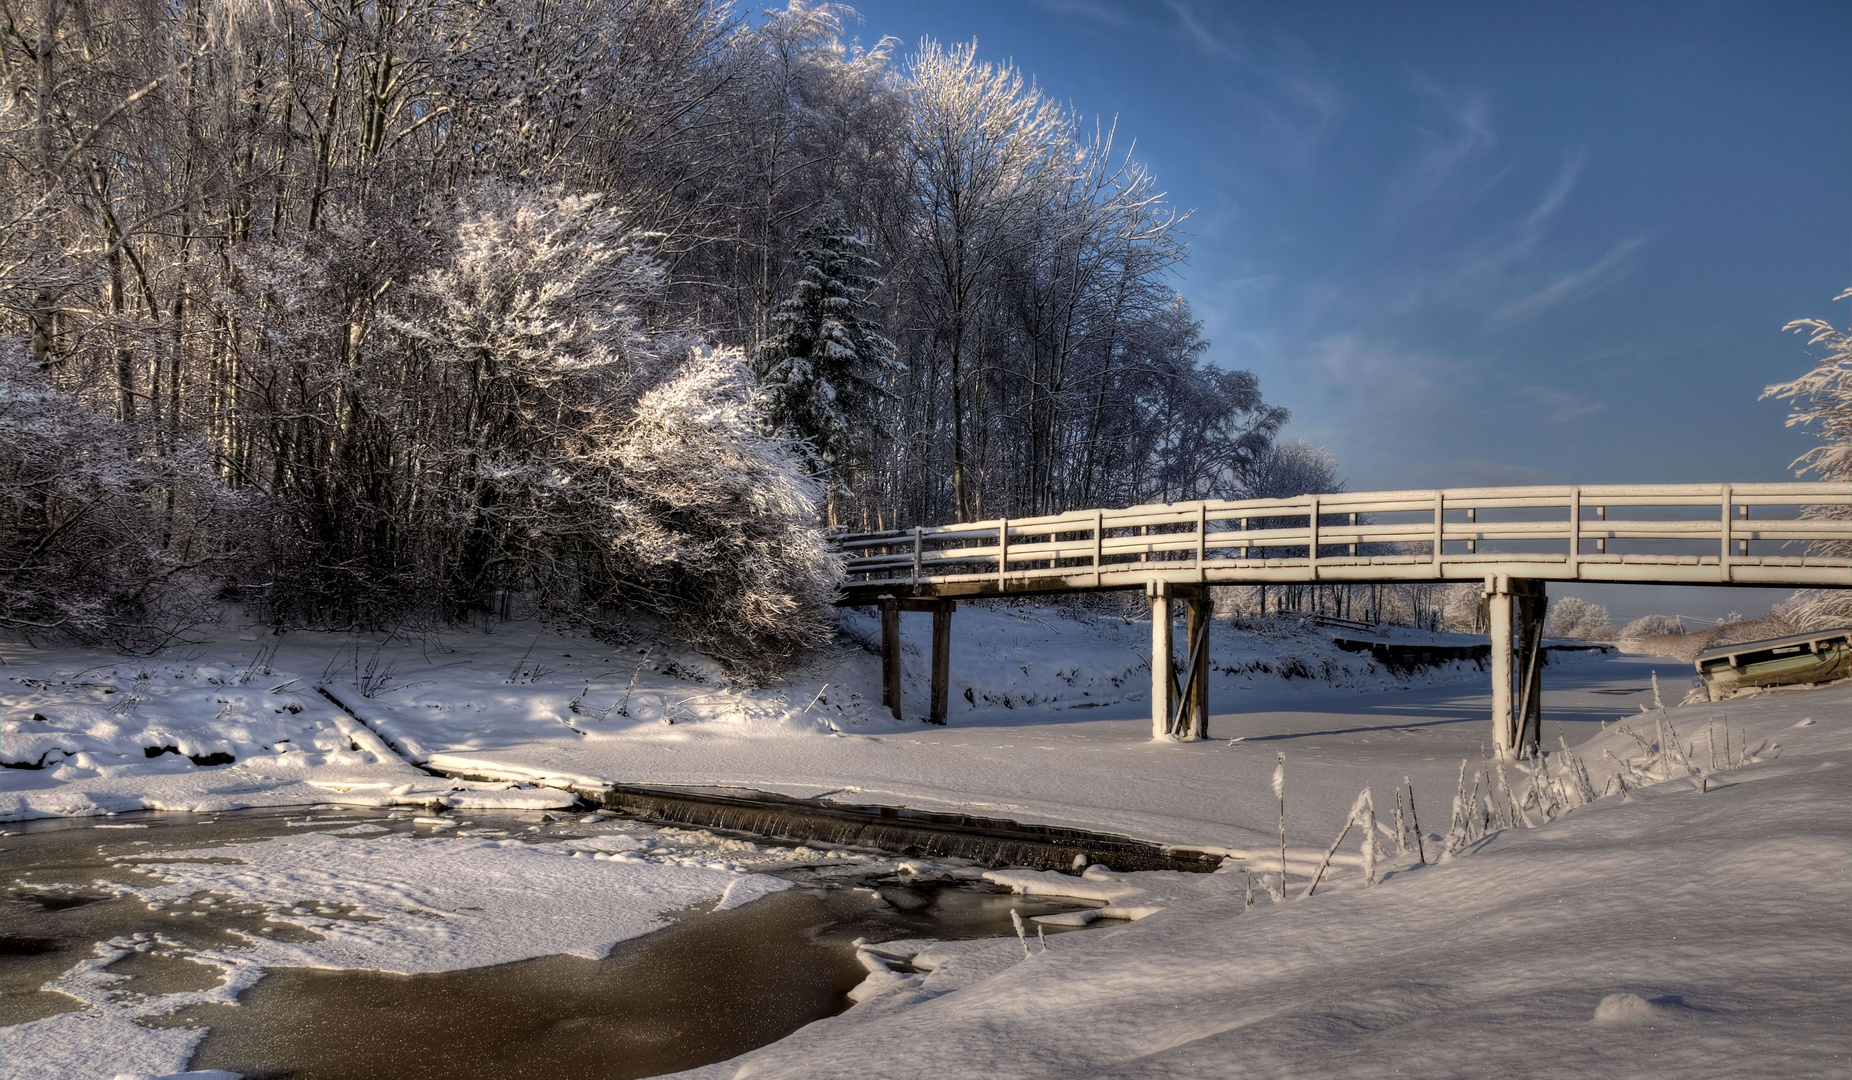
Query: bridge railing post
(1003, 551)
(1312, 521)
(1575, 530)
(1724, 559)
(1099, 546)
(1440, 517)
(1202, 541)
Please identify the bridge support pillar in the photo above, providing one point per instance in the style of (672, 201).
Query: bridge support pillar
(1515, 609)
(891, 607)
(890, 653)
(1161, 678)
(1179, 708)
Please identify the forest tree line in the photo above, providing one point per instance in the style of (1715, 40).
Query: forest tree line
(357, 309)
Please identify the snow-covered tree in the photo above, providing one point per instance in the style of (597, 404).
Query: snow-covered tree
(1822, 401)
(1652, 626)
(824, 367)
(99, 542)
(1574, 617)
(1291, 469)
(598, 462)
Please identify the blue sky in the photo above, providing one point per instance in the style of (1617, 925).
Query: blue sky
(1474, 243)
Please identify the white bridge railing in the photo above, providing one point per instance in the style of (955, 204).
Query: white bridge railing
(1749, 534)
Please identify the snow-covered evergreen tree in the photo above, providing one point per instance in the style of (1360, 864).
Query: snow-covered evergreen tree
(823, 367)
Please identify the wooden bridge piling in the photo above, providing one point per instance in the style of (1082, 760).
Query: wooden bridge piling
(1179, 707)
(1514, 615)
(941, 609)
(1161, 663)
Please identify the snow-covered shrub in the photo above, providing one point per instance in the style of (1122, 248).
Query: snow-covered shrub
(715, 522)
(1574, 617)
(599, 462)
(99, 541)
(1652, 626)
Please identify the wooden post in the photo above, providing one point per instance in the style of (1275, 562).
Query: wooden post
(1003, 551)
(1723, 560)
(890, 653)
(1099, 545)
(1198, 611)
(941, 659)
(1159, 592)
(1440, 528)
(1601, 542)
(1202, 541)
(1514, 612)
(1498, 622)
(1530, 610)
(1575, 531)
(1472, 542)
(1313, 549)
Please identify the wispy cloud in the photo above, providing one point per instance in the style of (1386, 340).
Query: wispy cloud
(1460, 139)
(1572, 283)
(1102, 12)
(1574, 159)
(1560, 406)
(1198, 31)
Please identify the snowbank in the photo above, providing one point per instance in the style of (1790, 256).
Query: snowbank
(1673, 932)
(79, 737)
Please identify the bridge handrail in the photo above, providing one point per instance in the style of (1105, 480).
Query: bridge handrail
(1335, 530)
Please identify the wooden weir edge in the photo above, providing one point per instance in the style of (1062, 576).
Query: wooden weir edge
(903, 831)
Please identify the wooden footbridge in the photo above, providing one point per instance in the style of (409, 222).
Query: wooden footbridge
(1512, 540)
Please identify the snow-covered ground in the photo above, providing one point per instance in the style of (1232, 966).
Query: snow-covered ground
(1700, 926)
(85, 734)
(1045, 722)
(1669, 931)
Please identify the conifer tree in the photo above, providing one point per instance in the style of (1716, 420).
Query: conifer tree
(823, 366)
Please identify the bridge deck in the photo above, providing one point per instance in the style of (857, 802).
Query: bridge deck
(1683, 534)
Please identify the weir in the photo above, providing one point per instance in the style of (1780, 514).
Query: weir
(987, 841)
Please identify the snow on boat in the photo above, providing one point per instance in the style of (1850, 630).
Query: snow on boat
(1822, 656)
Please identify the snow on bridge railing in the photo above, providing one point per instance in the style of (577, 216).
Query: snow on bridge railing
(1753, 534)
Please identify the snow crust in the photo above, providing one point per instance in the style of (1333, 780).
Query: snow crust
(413, 905)
(1673, 932)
